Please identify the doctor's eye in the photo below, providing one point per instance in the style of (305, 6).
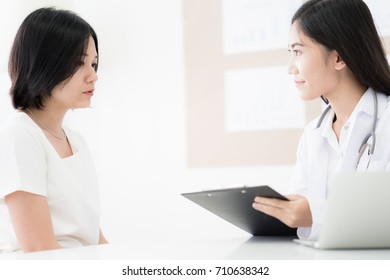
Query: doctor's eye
(295, 52)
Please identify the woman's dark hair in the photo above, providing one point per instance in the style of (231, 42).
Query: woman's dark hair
(347, 27)
(49, 47)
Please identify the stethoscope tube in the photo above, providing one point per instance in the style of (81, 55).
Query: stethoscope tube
(323, 115)
(364, 143)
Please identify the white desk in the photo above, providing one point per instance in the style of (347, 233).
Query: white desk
(253, 248)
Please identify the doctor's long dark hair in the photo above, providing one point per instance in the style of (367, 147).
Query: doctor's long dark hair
(347, 27)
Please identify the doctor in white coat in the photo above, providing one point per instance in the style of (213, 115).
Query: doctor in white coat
(336, 54)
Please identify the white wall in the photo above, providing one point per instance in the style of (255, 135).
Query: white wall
(137, 128)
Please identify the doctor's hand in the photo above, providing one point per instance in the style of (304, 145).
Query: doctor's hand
(294, 213)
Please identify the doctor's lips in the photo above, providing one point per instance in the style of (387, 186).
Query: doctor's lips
(299, 82)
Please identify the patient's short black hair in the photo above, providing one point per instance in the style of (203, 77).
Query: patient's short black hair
(49, 47)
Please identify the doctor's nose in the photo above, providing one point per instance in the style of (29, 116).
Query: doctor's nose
(291, 68)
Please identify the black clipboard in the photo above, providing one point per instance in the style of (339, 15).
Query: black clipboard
(235, 206)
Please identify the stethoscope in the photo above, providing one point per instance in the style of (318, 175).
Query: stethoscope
(364, 145)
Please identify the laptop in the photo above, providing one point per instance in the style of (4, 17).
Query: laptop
(357, 213)
(234, 205)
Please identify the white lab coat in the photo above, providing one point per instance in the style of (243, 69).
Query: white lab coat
(311, 171)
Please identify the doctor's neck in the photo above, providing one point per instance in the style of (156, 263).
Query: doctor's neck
(345, 99)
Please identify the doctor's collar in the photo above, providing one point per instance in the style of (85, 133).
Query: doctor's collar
(365, 105)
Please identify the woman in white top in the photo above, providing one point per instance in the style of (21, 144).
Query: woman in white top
(336, 54)
(48, 184)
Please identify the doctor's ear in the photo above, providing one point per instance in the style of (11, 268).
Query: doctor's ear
(339, 64)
